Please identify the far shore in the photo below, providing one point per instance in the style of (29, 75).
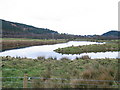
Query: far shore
(15, 43)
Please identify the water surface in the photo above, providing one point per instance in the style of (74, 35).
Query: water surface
(47, 51)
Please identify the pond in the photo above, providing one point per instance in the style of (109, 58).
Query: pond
(47, 51)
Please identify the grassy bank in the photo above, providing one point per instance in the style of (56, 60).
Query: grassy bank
(11, 43)
(68, 72)
(108, 46)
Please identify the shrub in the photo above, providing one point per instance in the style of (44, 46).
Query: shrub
(85, 57)
(41, 58)
(51, 58)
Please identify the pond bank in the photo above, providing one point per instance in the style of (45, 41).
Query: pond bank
(108, 46)
(48, 51)
(14, 43)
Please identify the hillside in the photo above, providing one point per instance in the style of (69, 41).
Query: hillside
(19, 30)
(113, 33)
(12, 29)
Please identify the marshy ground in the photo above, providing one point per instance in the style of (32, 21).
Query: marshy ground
(73, 73)
(12, 43)
(112, 45)
(81, 72)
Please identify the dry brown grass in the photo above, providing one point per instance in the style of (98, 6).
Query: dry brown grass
(11, 44)
(85, 57)
(97, 74)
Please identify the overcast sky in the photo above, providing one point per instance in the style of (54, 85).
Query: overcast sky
(82, 17)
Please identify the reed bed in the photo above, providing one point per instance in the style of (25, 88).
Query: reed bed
(12, 43)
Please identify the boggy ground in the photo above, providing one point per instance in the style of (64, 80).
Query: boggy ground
(12, 43)
(79, 73)
(111, 45)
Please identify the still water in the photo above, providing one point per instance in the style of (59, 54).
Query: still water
(47, 51)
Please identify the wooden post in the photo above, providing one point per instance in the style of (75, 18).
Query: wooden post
(32, 83)
(25, 81)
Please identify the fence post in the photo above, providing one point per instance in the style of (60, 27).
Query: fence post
(25, 81)
(32, 83)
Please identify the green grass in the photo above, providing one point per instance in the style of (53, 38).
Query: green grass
(91, 69)
(108, 46)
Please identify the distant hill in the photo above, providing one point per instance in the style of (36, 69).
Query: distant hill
(19, 30)
(13, 28)
(112, 33)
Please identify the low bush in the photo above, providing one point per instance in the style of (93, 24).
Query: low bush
(85, 57)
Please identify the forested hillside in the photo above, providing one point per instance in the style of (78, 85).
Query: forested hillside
(113, 33)
(12, 29)
(18, 30)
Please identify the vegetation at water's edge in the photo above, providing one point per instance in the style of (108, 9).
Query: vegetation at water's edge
(109, 46)
(70, 71)
(11, 43)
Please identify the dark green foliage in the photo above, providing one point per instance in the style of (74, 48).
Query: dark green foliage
(112, 33)
(18, 30)
(13, 27)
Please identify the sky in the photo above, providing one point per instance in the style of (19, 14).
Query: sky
(79, 17)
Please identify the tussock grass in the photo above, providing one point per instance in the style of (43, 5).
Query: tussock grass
(70, 72)
(85, 57)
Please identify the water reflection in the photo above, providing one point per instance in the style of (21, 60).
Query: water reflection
(47, 51)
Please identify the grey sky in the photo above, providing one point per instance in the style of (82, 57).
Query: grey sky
(82, 17)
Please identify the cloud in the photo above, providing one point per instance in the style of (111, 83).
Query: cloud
(69, 16)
